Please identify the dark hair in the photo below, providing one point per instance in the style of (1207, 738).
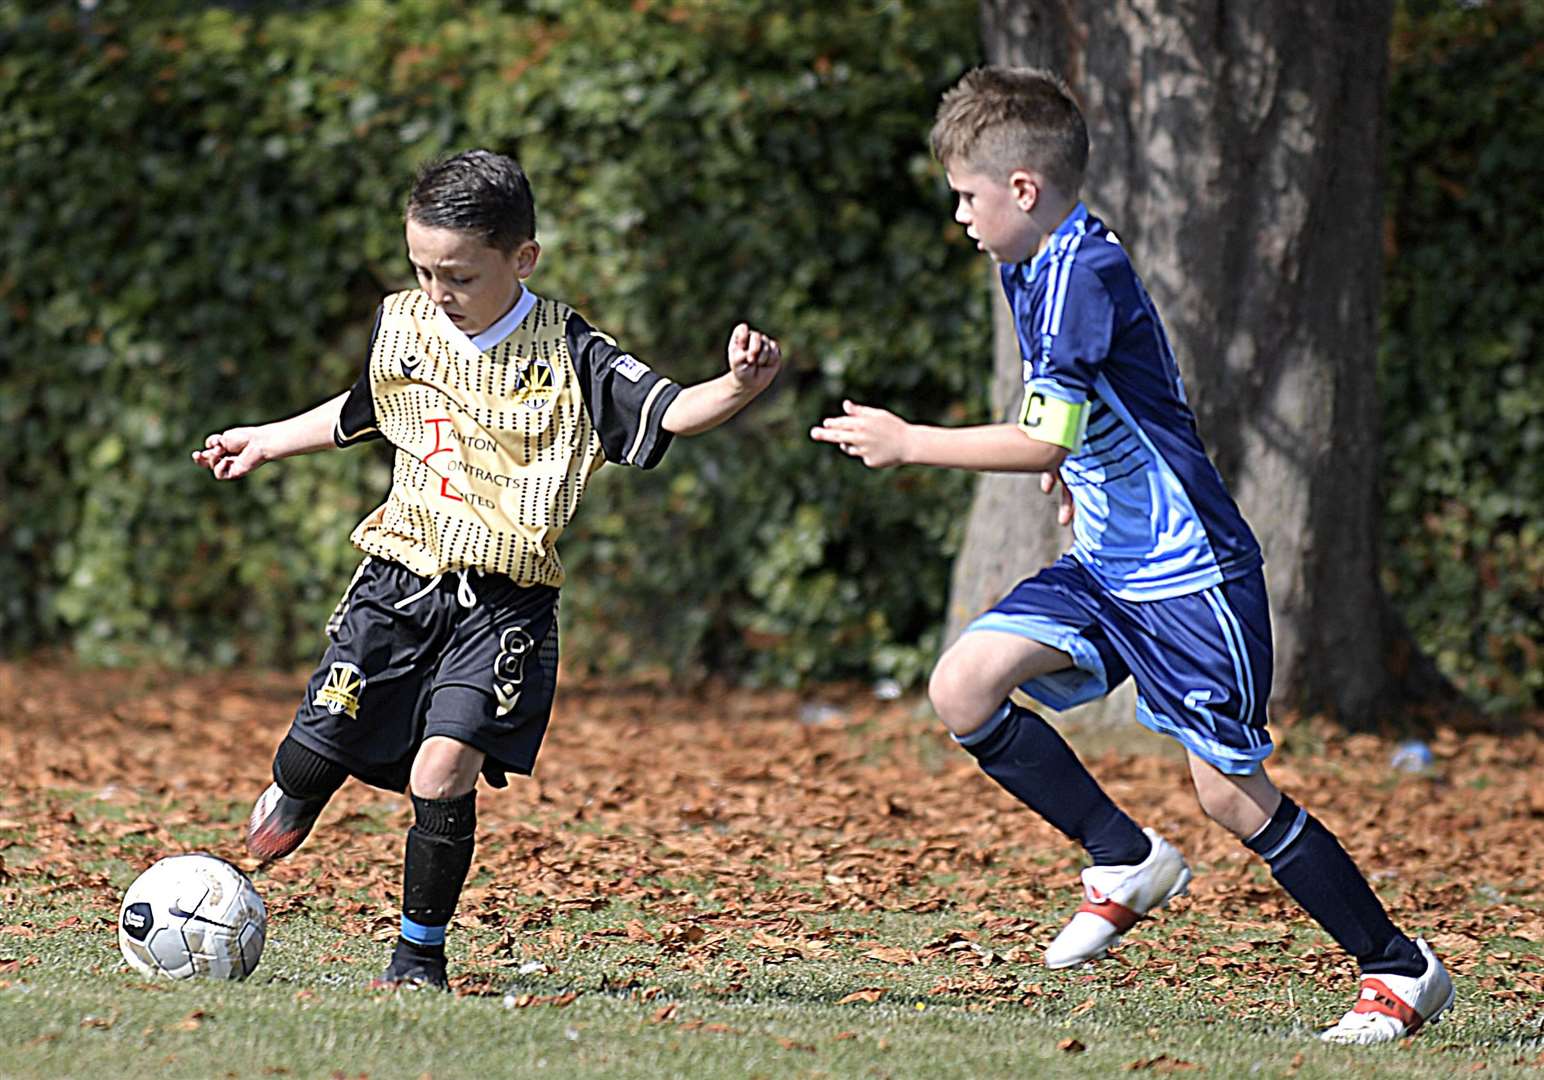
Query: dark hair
(479, 192)
(998, 119)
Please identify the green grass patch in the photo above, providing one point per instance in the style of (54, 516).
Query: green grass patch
(577, 995)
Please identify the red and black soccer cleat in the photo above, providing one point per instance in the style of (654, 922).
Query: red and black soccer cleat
(280, 823)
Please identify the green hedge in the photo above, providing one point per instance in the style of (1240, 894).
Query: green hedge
(1460, 376)
(199, 206)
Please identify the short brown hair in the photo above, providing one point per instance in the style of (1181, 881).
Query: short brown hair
(479, 192)
(997, 119)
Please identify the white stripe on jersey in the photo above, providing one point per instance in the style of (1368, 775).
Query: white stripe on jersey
(643, 419)
(1056, 288)
(1061, 292)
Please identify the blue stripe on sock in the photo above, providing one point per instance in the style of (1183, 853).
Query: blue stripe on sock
(419, 934)
(986, 730)
(1292, 834)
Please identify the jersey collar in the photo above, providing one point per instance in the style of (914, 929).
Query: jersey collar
(501, 329)
(1074, 224)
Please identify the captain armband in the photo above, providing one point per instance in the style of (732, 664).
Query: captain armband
(1052, 420)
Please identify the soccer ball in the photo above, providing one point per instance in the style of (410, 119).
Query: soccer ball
(192, 917)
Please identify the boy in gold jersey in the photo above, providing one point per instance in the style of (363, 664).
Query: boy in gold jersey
(442, 654)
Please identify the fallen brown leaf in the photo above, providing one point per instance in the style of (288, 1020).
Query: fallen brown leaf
(869, 995)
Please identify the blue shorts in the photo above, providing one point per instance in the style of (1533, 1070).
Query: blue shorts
(1202, 662)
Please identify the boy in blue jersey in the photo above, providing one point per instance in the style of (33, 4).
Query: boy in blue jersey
(1163, 582)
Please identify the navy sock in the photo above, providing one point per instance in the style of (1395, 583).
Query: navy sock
(1308, 862)
(302, 773)
(1035, 765)
(439, 854)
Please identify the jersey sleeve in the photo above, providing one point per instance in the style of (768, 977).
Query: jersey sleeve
(626, 399)
(1074, 328)
(356, 422)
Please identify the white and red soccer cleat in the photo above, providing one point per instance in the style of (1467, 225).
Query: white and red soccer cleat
(1390, 1007)
(1115, 899)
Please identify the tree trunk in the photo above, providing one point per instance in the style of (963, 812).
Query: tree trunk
(1236, 151)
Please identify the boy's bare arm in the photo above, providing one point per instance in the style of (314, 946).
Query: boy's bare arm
(882, 439)
(235, 452)
(754, 361)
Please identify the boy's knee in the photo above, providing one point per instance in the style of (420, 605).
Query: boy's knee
(444, 769)
(953, 694)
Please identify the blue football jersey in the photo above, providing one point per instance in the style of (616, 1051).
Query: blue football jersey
(1153, 518)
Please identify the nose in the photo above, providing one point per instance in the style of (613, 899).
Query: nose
(961, 213)
(438, 293)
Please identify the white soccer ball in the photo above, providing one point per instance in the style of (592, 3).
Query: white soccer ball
(192, 917)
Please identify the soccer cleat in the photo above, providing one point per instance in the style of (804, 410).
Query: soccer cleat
(413, 968)
(279, 823)
(1115, 898)
(1391, 1007)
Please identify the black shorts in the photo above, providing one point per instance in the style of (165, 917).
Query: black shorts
(467, 655)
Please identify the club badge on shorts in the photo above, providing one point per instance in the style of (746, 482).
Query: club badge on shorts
(509, 668)
(340, 693)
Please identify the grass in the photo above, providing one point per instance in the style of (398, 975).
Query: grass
(73, 1010)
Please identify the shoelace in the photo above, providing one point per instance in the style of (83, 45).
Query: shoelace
(465, 595)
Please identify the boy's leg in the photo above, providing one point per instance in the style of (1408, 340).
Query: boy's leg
(1024, 754)
(488, 708)
(358, 714)
(437, 858)
(284, 814)
(1309, 863)
(1048, 637)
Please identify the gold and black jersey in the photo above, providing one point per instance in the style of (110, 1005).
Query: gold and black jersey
(494, 448)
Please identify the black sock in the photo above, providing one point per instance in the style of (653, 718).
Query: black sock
(302, 773)
(1036, 766)
(1308, 862)
(439, 854)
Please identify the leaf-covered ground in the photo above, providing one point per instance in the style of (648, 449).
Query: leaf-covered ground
(817, 886)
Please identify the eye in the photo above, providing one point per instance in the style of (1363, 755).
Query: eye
(460, 281)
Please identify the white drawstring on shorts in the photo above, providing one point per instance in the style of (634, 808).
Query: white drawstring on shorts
(464, 593)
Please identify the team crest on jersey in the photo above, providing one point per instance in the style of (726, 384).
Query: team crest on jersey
(340, 693)
(537, 386)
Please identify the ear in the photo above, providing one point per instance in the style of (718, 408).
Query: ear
(525, 259)
(1025, 187)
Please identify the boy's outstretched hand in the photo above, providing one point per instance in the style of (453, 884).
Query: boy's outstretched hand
(876, 436)
(754, 361)
(231, 454)
(754, 358)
